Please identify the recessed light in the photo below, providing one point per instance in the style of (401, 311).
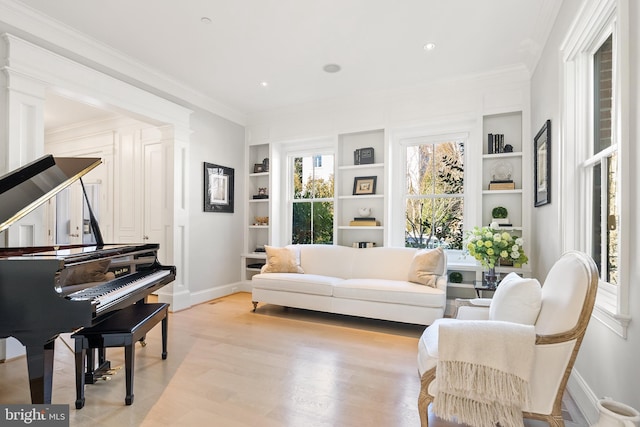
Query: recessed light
(429, 46)
(331, 68)
(205, 20)
(264, 84)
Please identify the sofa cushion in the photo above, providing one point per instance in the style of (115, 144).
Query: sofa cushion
(327, 260)
(381, 263)
(295, 282)
(516, 300)
(389, 291)
(426, 266)
(282, 260)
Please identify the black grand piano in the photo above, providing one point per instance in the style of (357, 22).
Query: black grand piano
(45, 291)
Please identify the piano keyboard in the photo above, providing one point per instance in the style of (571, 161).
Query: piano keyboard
(110, 293)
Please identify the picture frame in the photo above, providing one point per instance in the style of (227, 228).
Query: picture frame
(364, 185)
(258, 168)
(542, 165)
(218, 188)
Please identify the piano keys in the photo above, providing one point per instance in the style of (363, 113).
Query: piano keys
(45, 291)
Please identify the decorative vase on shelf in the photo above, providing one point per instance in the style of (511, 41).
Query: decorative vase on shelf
(364, 212)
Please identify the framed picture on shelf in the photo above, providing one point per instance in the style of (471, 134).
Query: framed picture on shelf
(258, 167)
(364, 185)
(542, 165)
(218, 188)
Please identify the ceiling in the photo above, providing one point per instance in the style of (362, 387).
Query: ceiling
(286, 43)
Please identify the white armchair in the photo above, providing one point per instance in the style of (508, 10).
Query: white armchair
(560, 317)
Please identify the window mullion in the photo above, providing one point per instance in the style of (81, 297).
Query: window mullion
(604, 214)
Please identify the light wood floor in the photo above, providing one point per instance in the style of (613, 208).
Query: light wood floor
(228, 366)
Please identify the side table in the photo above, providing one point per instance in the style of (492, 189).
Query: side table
(481, 288)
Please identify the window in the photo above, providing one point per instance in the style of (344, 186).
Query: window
(600, 169)
(312, 199)
(595, 171)
(434, 194)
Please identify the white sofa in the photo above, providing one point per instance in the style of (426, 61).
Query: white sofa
(369, 283)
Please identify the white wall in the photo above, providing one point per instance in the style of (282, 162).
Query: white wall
(215, 238)
(607, 364)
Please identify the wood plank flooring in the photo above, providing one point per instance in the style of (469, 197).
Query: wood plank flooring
(228, 366)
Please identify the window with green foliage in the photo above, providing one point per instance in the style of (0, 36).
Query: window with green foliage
(434, 195)
(313, 191)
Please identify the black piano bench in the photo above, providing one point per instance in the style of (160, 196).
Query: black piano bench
(122, 329)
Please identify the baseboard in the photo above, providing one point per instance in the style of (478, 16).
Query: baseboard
(585, 399)
(178, 300)
(219, 291)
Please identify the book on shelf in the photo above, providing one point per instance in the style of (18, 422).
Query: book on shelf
(502, 185)
(364, 218)
(363, 245)
(363, 223)
(257, 265)
(495, 143)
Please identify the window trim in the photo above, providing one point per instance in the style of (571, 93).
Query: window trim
(293, 151)
(595, 22)
(417, 137)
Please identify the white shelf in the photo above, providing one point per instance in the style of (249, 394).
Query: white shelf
(492, 192)
(362, 196)
(259, 226)
(369, 166)
(361, 227)
(258, 174)
(258, 200)
(256, 255)
(502, 155)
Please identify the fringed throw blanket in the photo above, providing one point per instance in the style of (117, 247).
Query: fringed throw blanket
(483, 372)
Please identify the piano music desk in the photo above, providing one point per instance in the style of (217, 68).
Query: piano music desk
(122, 329)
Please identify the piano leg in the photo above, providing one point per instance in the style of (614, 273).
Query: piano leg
(80, 355)
(40, 366)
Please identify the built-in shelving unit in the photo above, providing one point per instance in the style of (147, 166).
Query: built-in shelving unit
(495, 165)
(348, 203)
(258, 234)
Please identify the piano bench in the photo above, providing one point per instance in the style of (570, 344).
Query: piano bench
(122, 329)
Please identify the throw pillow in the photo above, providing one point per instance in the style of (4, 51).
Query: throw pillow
(426, 266)
(282, 260)
(516, 300)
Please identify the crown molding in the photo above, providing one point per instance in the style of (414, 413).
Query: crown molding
(41, 30)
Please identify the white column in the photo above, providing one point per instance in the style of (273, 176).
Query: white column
(24, 142)
(176, 215)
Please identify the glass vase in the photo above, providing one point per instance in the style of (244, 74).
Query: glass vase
(491, 278)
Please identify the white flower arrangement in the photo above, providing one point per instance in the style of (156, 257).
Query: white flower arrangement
(488, 245)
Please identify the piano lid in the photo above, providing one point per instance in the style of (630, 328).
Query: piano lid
(26, 188)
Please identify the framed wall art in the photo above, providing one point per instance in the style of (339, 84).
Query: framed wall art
(364, 185)
(218, 188)
(542, 165)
